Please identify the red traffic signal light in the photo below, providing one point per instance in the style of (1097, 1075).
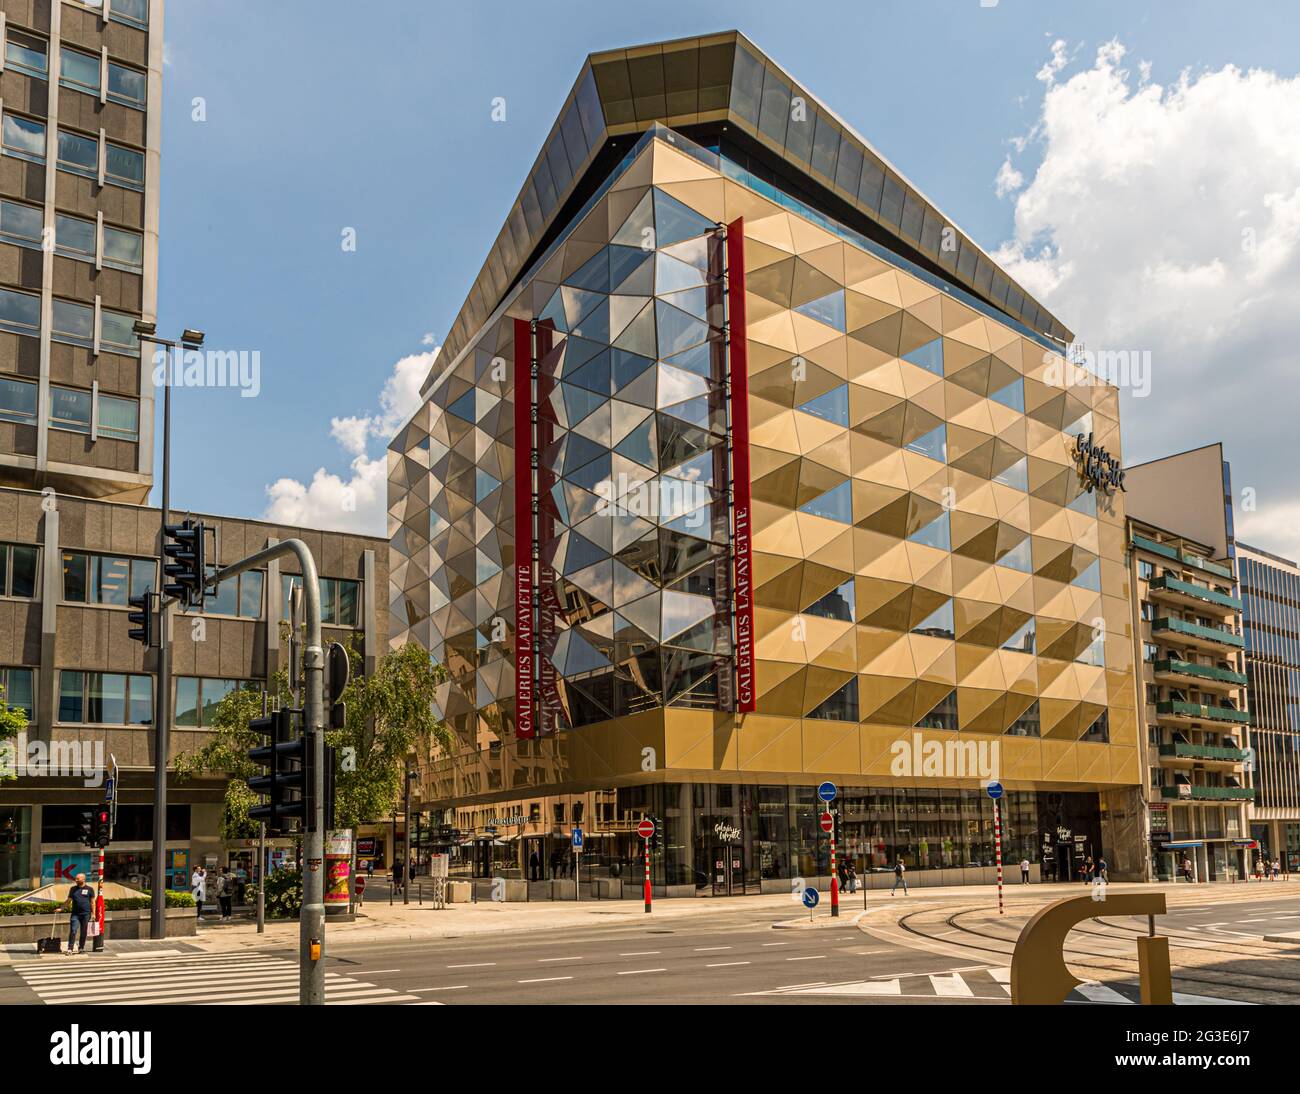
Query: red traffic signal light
(103, 828)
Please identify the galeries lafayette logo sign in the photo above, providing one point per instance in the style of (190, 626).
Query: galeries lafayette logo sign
(1097, 468)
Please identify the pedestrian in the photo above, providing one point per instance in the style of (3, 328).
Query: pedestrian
(413, 868)
(370, 867)
(899, 878)
(226, 892)
(534, 866)
(1088, 869)
(1277, 869)
(842, 868)
(1101, 868)
(1024, 871)
(198, 889)
(398, 876)
(555, 864)
(1187, 869)
(81, 902)
(851, 877)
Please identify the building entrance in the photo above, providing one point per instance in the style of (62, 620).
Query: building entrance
(728, 873)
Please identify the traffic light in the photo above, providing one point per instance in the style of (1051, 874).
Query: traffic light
(183, 569)
(87, 828)
(289, 784)
(103, 828)
(141, 619)
(657, 838)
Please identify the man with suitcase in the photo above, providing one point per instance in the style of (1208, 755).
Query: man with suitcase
(81, 899)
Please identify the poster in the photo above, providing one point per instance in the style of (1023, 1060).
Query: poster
(65, 866)
(338, 867)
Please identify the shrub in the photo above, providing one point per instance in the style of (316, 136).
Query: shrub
(120, 904)
(283, 893)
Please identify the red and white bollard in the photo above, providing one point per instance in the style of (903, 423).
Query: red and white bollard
(997, 844)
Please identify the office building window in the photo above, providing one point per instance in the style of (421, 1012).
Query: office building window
(134, 12)
(74, 324)
(125, 167)
(74, 237)
(17, 401)
(19, 690)
(197, 698)
(126, 86)
(79, 71)
(105, 579)
(105, 698)
(23, 138)
(69, 408)
(117, 332)
(17, 570)
(27, 54)
(21, 224)
(340, 600)
(123, 250)
(119, 418)
(239, 596)
(78, 154)
(20, 312)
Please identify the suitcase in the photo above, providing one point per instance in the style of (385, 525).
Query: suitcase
(53, 944)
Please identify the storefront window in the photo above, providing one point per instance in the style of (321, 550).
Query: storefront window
(15, 846)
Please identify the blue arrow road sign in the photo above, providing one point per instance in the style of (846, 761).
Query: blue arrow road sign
(577, 839)
(810, 897)
(826, 791)
(995, 791)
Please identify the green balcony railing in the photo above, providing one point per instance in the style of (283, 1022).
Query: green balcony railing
(1208, 566)
(1199, 710)
(1195, 630)
(1205, 672)
(1200, 592)
(1209, 793)
(1155, 548)
(1183, 750)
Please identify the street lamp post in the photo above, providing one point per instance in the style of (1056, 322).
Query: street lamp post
(162, 709)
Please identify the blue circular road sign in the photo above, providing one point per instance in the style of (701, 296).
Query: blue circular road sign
(995, 790)
(810, 897)
(826, 791)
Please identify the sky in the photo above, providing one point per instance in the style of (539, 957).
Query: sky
(332, 178)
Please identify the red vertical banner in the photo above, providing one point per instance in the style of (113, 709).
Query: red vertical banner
(549, 699)
(524, 697)
(738, 374)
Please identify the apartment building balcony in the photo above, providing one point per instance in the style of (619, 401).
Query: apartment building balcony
(1182, 633)
(1173, 590)
(1178, 712)
(1181, 754)
(1206, 677)
(1191, 792)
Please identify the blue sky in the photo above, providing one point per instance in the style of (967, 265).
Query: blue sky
(327, 115)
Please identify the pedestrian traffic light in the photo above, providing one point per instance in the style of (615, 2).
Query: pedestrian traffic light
(141, 618)
(183, 562)
(103, 827)
(656, 837)
(86, 828)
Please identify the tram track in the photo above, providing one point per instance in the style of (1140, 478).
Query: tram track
(1234, 983)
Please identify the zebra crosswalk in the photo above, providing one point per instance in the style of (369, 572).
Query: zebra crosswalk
(167, 977)
(986, 984)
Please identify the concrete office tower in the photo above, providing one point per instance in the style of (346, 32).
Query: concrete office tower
(810, 493)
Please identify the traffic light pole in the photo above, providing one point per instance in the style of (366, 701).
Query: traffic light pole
(162, 707)
(311, 920)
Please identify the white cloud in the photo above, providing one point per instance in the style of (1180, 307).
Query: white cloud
(1008, 179)
(357, 502)
(1168, 219)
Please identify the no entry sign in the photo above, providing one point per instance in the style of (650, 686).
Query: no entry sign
(827, 822)
(646, 828)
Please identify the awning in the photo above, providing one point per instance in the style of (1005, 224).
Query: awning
(1186, 843)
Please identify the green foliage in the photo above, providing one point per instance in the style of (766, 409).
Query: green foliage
(389, 715)
(283, 893)
(12, 723)
(119, 904)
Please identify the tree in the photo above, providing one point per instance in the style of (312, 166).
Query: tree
(389, 714)
(13, 720)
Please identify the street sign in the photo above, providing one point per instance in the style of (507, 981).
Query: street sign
(827, 822)
(577, 839)
(646, 828)
(826, 791)
(995, 790)
(810, 897)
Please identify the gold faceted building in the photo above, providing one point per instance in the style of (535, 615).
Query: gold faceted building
(743, 469)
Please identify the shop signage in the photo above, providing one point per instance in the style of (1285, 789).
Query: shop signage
(738, 374)
(524, 726)
(727, 833)
(1098, 469)
(506, 822)
(64, 867)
